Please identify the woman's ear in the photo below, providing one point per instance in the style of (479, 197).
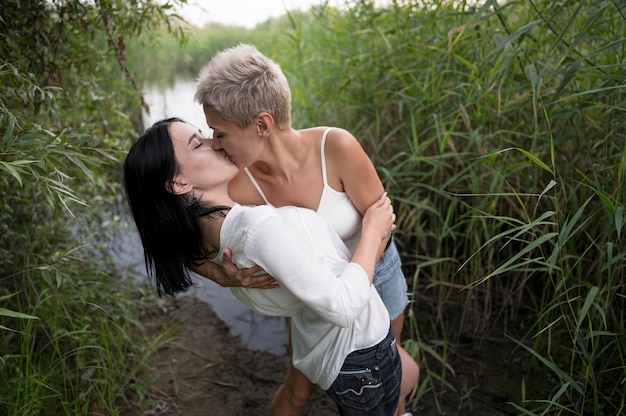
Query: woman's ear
(264, 123)
(178, 186)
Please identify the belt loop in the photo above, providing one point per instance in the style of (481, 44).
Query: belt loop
(384, 344)
(381, 348)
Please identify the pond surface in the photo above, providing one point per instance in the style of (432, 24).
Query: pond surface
(256, 331)
(175, 101)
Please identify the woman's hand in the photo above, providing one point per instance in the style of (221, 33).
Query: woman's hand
(228, 275)
(378, 223)
(245, 277)
(379, 220)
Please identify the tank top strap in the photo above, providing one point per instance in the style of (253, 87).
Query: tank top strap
(256, 185)
(324, 175)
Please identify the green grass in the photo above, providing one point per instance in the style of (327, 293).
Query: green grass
(81, 352)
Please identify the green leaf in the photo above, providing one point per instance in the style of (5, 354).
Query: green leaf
(13, 314)
(9, 168)
(619, 220)
(591, 296)
(536, 160)
(569, 381)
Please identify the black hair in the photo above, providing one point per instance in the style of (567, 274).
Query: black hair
(168, 226)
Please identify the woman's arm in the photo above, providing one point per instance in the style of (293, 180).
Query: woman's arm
(351, 170)
(378, 222)
(306, 261)
(228, 275)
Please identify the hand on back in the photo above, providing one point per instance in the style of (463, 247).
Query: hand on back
(228, 275)
(248, 278)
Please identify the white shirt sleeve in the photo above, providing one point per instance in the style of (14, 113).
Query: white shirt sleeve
(337, 296)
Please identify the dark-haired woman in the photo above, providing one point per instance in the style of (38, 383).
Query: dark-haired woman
(341, 339)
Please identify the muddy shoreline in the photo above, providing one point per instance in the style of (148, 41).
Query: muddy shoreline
(205, 370)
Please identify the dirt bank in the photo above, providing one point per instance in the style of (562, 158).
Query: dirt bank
(204, 370)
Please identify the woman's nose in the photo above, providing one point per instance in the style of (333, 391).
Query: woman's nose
(216, 145)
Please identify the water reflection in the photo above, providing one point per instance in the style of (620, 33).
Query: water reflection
(256, 331)
(176, 101)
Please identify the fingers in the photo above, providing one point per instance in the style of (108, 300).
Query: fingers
(249, 278)
(386, 203)
(251, 271)
(382, 201)
(382, 206)
(263, 281)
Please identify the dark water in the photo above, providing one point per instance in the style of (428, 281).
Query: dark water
(256, 331)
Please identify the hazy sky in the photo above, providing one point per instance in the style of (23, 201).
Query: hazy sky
(245, 13)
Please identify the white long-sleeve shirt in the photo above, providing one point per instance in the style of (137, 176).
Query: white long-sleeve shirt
(333, 308)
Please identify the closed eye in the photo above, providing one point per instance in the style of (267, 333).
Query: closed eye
(202, 140)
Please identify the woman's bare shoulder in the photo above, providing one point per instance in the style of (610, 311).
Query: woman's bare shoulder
(242, 191)
(337, 138)
(341, 145)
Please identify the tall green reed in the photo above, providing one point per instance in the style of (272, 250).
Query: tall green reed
(499, 131)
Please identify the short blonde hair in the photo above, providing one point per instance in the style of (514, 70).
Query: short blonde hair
(240, 82)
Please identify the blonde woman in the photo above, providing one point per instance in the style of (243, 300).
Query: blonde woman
(177, 188)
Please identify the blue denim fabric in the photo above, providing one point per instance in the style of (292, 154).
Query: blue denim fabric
(390, 282)
(369, 381)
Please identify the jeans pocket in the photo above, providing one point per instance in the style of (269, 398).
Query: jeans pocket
(359, 388)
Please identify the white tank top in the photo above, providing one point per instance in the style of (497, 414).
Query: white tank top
(334, 206)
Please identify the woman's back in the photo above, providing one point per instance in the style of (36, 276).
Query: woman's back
(333, 307)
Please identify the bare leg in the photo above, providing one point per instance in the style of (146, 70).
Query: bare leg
(293, 394)
(410, 368)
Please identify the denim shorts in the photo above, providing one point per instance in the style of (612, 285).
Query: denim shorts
(369, 381)
(390, 282)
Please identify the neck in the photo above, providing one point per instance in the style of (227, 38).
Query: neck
(283, 156)
(211, 227)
